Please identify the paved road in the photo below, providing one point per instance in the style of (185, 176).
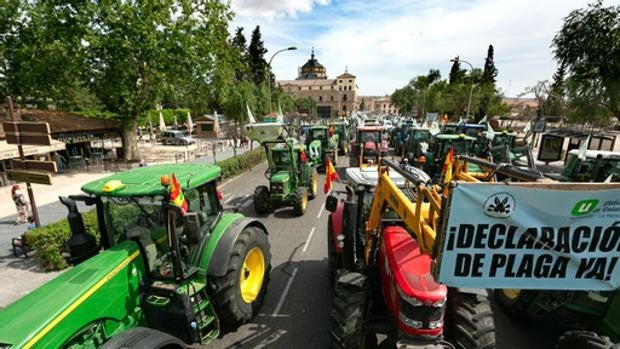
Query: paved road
(296, 310)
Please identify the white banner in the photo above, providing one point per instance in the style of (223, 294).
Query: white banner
(532, 236)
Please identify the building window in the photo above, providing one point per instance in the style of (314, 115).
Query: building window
(331, 98)
(349, 88)
(340, 81)
(344, 98)
(350, 80)
(320, 87)
(299, 88)
(332, 87)
(320, 98)
(339, 88)
(344, 108)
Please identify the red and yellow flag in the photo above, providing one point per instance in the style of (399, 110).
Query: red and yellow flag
(330, 176)
(447, 166)
(303, 156)
(176, 197)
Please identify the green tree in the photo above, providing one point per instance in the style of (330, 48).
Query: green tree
(239, 44)
(256, 53)
(588, 45)
(456, 73)
(490, 72)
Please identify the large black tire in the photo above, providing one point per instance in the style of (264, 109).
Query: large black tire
(347, 316)
(515, 302)
(141, 338)
(469, 322)
(231, 308)
(261, 199)
(314, 184)
(585, 340)
(354, 161)
(301, 201)
(333, 262)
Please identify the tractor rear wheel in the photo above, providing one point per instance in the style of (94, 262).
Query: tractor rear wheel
(346, 319)
(142, 337)
(240, 293)
(333, 262)
(469, 322)
(261, 199)
(585, 340)
(314, 184)
(515, 302)
(301, 201)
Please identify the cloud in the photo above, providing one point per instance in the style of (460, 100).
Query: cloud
(272, 9)
(386, 43)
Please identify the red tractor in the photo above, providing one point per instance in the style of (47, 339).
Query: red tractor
(370, 142)
(382, 274)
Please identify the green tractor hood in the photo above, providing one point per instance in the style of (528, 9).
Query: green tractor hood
(280, 177)
(105, 286)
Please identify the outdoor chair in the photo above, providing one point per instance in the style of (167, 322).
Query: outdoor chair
(20, 246)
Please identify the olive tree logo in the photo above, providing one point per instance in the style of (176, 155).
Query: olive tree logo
(499, 205)
(584, 207)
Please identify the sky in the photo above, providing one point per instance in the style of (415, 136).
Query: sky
(386, 43)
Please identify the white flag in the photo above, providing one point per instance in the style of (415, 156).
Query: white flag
(250, 116)
(490, 132)
(434, 128)
(483, 120)
(608, 179)
(583, 149)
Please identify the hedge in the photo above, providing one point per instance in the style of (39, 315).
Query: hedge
(49, 241)
(241, 163)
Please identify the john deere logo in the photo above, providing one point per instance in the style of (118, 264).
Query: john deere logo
(584, 207)
(500, 205)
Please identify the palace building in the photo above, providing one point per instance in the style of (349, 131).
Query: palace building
(332, 96)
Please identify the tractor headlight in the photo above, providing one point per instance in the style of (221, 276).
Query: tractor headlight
(435, 324)
(409, 322)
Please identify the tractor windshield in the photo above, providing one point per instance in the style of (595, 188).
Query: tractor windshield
(140, 219)
(372, 136)
(281, 158)
(320, 134)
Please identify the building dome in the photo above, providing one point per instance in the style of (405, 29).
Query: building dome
(312, 69)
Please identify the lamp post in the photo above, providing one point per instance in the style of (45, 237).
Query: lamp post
(291, 48)
(471, 79)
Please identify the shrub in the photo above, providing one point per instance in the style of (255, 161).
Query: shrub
(240, 163)
(49, 242)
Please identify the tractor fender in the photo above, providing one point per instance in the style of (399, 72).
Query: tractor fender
(337, 224)
(219, 260)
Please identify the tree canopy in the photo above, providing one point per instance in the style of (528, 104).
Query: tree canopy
(588, 47)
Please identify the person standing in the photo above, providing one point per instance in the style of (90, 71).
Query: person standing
(21, 204)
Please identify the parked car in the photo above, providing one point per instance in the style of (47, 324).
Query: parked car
(176, 138)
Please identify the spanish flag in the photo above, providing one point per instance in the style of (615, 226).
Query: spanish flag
(330, 176)
(176, 197)
(447, 166)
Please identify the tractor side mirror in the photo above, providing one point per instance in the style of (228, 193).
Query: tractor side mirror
(191, 227)
(331, 203)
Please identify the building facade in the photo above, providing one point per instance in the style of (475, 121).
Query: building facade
(332, 96)
(379, 104)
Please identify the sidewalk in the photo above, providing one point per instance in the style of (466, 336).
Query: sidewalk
(18, 276)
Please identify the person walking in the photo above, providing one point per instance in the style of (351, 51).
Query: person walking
(21, 204)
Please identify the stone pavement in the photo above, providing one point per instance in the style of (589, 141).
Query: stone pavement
(18, 276)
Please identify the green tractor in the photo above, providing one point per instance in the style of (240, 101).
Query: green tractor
(292, 176)
(343, 135)
(165, 273)
(326, 141)
(597, 166)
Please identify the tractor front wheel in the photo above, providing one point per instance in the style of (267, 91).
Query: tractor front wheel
(261, 199)
(239, 294)
(585, 340)
(314, 184)
(346, 319)
(301, 201)
(469, 322)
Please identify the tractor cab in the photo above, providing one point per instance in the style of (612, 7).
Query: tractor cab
(342, 131)
(370, 142)
(416, 143)
(598, 166)
(460, 144)
(323, 138)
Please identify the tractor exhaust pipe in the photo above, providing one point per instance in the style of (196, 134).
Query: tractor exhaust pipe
(81, 244)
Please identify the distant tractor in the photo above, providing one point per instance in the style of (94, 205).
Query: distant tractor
(324, 139)
(292, 176)
(460, 144)
(370, 142)
(170, 269)
(415, 143)
(597, 166)
(342, 130)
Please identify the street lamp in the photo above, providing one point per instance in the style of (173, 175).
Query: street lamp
(291, 48)
(471, 79)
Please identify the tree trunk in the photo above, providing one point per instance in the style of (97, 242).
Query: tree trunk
(129, 138)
